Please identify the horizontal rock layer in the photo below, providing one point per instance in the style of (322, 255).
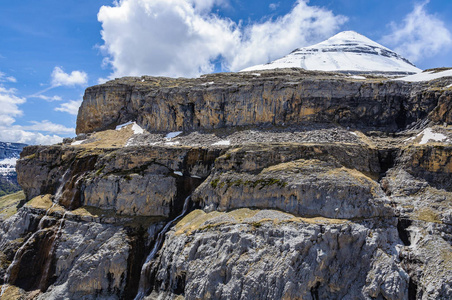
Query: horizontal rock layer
(304, 210)
(276, 98)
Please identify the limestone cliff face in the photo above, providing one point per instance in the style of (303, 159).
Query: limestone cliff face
(271, 98)
(266, 194)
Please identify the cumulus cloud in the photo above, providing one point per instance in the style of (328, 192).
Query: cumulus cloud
(164, 37)
(303, 25)
(47, 126)
(419, 35)
(61, 78)
(30, 134)
(18, 135)
(9, 104)
(42, 132)
(70, 107)
(184, 37)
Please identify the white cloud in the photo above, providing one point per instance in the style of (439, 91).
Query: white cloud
(70, 107)
(102, 80)
(47, 98)
(33, 134)
(46, 126)
(60, 78)
(32, 138)
(9, 104)
(183, 37)
(164, 37)
(4, 78)
(420, 35)
(273, 6)
(304, 25)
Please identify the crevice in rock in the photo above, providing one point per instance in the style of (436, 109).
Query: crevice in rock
(412, 289)
(402, 226)
(134, 262)
(401, 118)
(181, 206)
(71, 191)
(387, 160)
(34, 267)
(179, 287)
(315, 291)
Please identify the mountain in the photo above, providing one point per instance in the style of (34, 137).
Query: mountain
(287, 184)
(9, 153)
(347, 51)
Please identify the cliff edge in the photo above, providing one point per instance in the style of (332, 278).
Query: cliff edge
(285, 184)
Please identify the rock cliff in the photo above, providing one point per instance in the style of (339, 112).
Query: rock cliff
(279, 185)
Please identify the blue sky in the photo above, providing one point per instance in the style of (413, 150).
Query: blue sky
(50, 51)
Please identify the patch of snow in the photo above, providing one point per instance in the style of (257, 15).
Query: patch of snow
(77, 142)
(208, 83)
(357, 77)
(449, 86)
(135, 127)
(222, 143)
(256, 74)
(354, 133)
(428, 135)
(178, 173)
(194, 176)
(172, 143)
(426, 76)
(171, 135)
(119, 127)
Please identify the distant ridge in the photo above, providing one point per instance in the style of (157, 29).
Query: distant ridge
(347, 51)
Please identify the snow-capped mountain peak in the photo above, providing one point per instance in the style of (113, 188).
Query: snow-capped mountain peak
(347, 51)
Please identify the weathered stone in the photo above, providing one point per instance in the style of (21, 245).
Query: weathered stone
(272, 257)
(275, 97)
(291, 204)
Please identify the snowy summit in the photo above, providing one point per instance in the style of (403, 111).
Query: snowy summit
(347, 51)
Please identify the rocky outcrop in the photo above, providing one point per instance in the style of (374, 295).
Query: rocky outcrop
(283, 201)
(305, 180)
(129, 181)
(275, 255)
(274, 98)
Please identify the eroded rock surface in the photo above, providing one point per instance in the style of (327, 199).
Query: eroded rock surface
(300, 185)
(275, 97)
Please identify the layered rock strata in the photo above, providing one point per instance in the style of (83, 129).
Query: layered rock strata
(286, 202)
(266, 98)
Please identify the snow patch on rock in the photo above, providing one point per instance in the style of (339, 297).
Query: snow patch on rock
(427, 76)
(77, 143)
(135, 127)
(429, 135)
(222, 143)
(172, 135)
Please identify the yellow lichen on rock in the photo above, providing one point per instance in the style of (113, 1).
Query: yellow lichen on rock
(44, 202)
